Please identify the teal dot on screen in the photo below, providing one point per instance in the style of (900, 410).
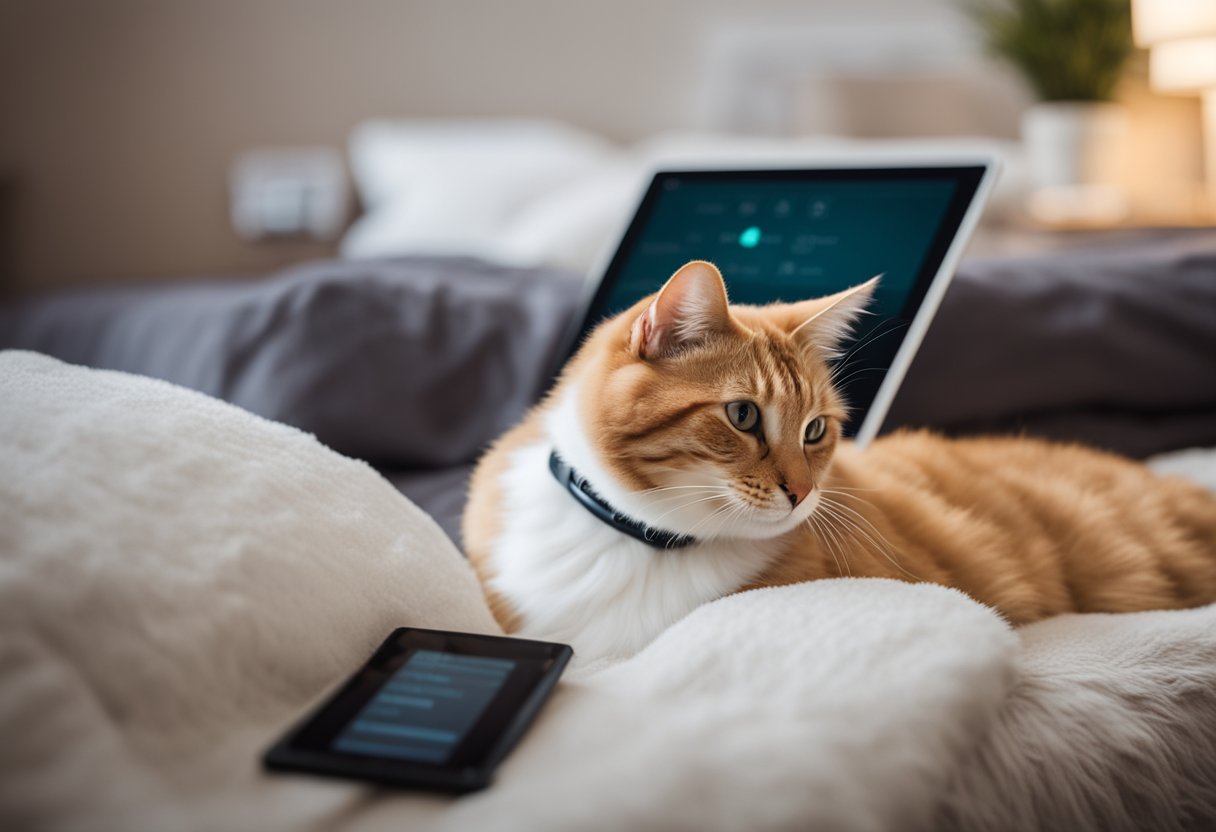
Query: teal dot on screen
(750, 237)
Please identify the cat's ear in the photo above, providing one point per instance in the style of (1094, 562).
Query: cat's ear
(824, 324)
(690, 307)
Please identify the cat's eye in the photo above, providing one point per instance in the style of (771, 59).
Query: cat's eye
(815, 429)
(743, 415)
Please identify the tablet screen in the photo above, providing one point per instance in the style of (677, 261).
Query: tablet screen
(796, 234)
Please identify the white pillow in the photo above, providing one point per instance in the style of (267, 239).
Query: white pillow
(447, 186)
(570, 226)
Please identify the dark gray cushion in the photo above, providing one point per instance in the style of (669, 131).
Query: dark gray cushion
(414, 363)
(1113, 346)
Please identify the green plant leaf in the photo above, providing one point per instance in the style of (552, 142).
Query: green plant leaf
(1068, 50)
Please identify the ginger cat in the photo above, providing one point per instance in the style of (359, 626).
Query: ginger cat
(714, 432)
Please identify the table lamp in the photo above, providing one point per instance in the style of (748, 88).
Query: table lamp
(1181, 38)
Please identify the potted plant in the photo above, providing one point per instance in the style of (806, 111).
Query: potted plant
(1072, 53)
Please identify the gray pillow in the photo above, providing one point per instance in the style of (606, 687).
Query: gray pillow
(1112, 346)
(410, 363)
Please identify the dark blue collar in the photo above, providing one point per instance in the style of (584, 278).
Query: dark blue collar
(582, 491)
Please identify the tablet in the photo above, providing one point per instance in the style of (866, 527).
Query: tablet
(792, 233)
(429, 710)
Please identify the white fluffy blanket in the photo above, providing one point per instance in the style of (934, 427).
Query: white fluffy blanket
(179, 580)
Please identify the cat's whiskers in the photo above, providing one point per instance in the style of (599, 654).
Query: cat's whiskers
(858, 372)
(739, 515)
(850, 528)
(729, 520)
(716, 491)
(836, 509)
(658, 488)
(717, 512)
(834, 539)
(812, 523)
(868, 522)
(874, 335)
(843, 491)
(877, 332)
(690, 503)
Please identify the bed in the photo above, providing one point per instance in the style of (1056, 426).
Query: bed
(186, 566)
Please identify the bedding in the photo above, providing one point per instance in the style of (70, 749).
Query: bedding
(180, 579)
(416, 364)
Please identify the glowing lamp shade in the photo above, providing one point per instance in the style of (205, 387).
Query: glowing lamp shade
(1181, 35)
(1158, 21)
(1186, 65)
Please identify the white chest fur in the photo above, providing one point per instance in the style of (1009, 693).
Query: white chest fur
(575, 579)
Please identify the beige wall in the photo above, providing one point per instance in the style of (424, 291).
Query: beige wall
(119, 118)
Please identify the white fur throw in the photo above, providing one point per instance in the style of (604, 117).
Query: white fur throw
(179, 580)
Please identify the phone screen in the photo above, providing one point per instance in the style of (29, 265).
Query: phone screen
(426, 708)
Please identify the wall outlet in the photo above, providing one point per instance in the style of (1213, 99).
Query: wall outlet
(288, 192)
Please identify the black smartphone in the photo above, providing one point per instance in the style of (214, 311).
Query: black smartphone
(430, 710)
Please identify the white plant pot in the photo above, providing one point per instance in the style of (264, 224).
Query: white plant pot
(1074, 150)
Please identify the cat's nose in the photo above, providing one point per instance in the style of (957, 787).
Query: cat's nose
(795, 492)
